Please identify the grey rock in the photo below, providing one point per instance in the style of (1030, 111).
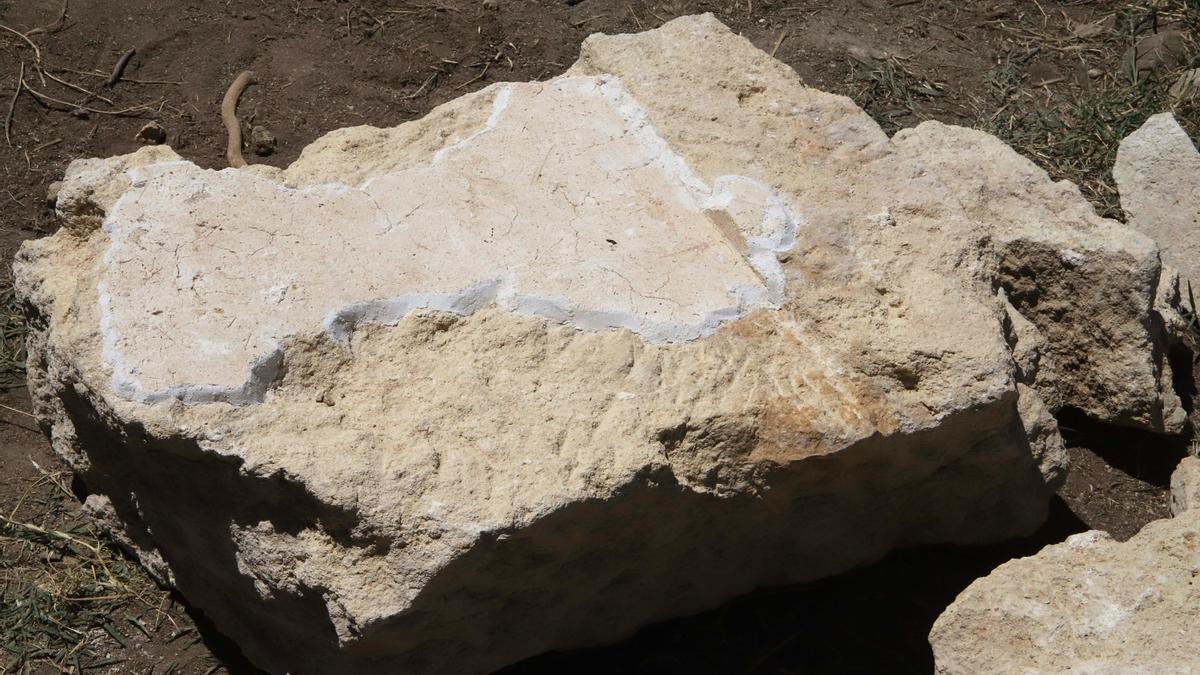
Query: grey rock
(262, 141)
(1158, 173)
(1185, 486)
(152, 133)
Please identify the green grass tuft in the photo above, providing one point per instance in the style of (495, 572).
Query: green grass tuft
(1077, 138)
(12, 341)
(62, 587)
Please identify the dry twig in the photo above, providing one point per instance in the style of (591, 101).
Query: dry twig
(778, 43)
(50, 99)
(120, 67)
(105, 76)
(18, 410)
(37, 53)
(94, 549)
(12, 105)
(51, 28)
(478, 77)
(48, 144)
(91, 94)
(420, 90)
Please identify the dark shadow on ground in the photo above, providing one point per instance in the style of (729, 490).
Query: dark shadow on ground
(1146, 456)
(224, 649)
(874, 619)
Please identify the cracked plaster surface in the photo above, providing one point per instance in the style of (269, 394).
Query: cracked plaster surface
(592, 220)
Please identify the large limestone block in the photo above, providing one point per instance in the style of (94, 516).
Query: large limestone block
(564, 358)
(1158, 173)
(1087, 605)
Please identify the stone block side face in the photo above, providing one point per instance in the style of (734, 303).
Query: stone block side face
(305, 584)
(673, 564)
(1086, 285)
(1105, 346)
(1045, 442)
(668, 504)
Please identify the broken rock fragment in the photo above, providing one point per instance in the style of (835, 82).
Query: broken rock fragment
(152, 133)
(1158, 173)
(1185, 486)
(564, 358)
(262, 141)
(1089, 604)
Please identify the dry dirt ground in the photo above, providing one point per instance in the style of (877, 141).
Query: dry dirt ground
(1046, 75)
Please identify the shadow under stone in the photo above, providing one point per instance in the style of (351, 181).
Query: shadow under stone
(873, 619)
(1147, 456)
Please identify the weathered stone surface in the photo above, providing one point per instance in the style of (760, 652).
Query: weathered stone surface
(1045, 442)
(1185, 486)
(564, 358)
(1158, 173)
(1087, 605)
(1170, 304)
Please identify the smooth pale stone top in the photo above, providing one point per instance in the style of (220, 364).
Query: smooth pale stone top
(1158, 173)
(567, 204)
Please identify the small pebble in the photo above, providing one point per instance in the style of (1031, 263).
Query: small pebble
(262, 141)
(491, 5)
(152, 134)
(52, 191)
(1095, 72)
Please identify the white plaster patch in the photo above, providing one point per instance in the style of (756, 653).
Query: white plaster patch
(567, 204)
